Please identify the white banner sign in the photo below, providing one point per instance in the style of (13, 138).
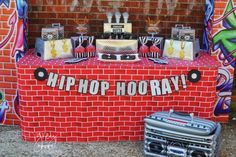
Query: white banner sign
(132, 88)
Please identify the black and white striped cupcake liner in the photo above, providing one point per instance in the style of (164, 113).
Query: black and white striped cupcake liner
(86, 55)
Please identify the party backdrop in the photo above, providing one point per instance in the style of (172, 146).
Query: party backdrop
(219, 40)
(13, 26)
(170, 12)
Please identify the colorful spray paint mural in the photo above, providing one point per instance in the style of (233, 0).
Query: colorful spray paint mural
(4, 106)
(17, 22)
(207, 35)
(16, 39)
(224, 45)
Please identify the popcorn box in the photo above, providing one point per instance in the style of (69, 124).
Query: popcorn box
(185, 50)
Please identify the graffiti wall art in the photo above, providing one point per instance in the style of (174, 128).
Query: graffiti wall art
(225, 39)
(224, 45)
(4, 106)
(207, 34)
(16, 39)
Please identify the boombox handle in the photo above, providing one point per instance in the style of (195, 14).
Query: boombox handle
(187, 27)
(179, 26)
(171, 112)
(56, 25)
(182, 26)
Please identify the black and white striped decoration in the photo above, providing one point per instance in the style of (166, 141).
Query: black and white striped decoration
(145, 55)
(86, 55)
(153, 54)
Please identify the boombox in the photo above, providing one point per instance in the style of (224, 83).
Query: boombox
(179, 32)
(174, 134)
(53, 32)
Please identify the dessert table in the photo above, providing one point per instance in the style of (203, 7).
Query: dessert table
(71, 115)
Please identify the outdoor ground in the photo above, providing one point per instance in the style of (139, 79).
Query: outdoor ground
(11, 145)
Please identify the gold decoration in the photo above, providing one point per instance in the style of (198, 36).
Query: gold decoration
(182, 52)
(53, 50)
(170, 49)
(65, 46)
(82, 21)
(82, 25)
(152, 26)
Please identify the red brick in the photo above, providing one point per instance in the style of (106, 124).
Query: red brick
(82, 117)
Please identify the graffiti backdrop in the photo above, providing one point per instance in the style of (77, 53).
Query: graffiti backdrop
(224, 47)
(219, 40)
(13, 39)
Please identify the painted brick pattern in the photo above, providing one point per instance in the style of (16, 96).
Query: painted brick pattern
(42, 13)
(39, 15)
(71, 116)
(8, 78)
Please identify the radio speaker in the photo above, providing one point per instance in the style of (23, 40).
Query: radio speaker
(198, 154)
(156, 147)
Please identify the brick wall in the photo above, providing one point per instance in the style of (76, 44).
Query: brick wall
(8, 79)
(39, 15)
(42, 13)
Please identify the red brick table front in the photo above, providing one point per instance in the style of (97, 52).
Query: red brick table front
(71, 116)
